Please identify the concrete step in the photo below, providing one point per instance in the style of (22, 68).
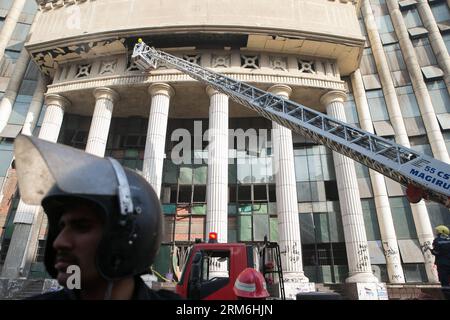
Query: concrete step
(330, 288)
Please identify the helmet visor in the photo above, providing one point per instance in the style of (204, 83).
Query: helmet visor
(45, 168)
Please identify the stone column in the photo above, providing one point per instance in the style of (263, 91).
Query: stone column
(156, 134)
(419, 210)
(423, 97)
(436, 40)
(352, 216)
(25, 236)
(13, 87)
(101, 121)
(10, 24)
(35, 106)
(51, 125)
(20, 66)
(217, 188)
(287, 205)
(390, 96)
(380, 195)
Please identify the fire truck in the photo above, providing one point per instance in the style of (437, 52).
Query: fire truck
(212, 268)
(424, 177)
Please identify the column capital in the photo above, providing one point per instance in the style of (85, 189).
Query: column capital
(106, 93)
(211, 91)
(56, 99)
(281, 90)
(161, 88)
(333, 96)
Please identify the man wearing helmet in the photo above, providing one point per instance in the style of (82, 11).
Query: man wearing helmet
(441, 250)
(103, 219)
(250, 285)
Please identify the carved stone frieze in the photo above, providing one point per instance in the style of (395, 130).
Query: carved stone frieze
(312, 72)
(250, 62)
(278, 63)
(218, 61)
(48, 60)
(108, 67)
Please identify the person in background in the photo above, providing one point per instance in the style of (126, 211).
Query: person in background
(441, 251)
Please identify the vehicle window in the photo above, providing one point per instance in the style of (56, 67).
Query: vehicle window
(215, 265)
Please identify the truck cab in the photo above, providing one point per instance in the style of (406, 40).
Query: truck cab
(212, 268)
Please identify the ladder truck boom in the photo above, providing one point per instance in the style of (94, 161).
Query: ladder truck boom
(424, 176)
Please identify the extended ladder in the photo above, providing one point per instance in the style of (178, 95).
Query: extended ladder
(419, 172)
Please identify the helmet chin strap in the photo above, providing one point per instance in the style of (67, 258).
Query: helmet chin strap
(108, 292)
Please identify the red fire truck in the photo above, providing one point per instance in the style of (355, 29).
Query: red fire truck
(212, 268)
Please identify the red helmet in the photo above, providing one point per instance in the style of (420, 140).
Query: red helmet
(250, 284)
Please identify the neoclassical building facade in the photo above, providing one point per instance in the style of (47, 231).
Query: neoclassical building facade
(383, 65)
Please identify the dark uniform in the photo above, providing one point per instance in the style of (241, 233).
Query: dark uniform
(441, 249)
(141, 292)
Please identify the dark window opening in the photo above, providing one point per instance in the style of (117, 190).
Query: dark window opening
(339, 253)
(272, 193)
(185, 194)
(245, 193)
(260, 192)
(331, 191)
(232, 191)
(200, 194)
(132, 141)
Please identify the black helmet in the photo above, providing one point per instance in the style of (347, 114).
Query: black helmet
(58, 176)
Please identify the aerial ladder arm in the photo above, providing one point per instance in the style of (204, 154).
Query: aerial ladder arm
(424, 176)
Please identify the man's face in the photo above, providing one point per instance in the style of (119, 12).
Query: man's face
(76, 244)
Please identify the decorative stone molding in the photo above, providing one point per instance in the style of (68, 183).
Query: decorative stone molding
(108, 67)
(250, 62)
(278, 63)
(356, 2)
(106, 93)
(121, 65)
(210, 91)
(48, 60)
(144, 80)
(192, 58)
(105, 66)
(56, 99)
(132, 67)
(218, 61)
(161, 88)
(281, 90)
(83, 70)
(46, 5)
(306, 66)
(333, 96)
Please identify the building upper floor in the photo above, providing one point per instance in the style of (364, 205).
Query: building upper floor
(70, 30)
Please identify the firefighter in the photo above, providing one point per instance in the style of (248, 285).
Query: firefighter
(104, 221)
(250, 285)
(441, 250)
